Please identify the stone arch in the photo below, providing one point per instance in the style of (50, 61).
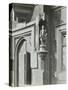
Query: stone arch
(21, 42)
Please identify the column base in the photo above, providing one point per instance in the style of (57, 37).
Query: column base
(37, 77)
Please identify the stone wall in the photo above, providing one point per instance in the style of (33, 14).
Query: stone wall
(56, 17)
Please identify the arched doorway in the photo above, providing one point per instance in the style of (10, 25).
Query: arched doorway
(23, 63)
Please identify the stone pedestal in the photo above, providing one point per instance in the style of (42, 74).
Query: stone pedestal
(40, 74)
(43, 64)
(37, 77)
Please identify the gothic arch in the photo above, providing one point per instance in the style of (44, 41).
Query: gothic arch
(25, 60)
(18, 46)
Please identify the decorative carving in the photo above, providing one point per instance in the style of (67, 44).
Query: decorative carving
(43, 36)
(42, 21)
(42, 55)
(43, 30)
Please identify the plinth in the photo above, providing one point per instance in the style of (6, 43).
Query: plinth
(43, 64)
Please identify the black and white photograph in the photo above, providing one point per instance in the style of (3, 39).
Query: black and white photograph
(37, 44)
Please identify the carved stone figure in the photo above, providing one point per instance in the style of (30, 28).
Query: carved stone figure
(43, 30)
(43, 36)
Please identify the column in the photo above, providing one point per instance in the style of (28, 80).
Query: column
(43, 52)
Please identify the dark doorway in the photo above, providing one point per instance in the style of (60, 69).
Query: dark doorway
(27, 68)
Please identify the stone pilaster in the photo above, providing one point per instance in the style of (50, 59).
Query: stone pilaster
(42, 53)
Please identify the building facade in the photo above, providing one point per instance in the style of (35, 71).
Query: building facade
(37, 44)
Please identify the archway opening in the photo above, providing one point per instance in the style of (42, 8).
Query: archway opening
(23, 64)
